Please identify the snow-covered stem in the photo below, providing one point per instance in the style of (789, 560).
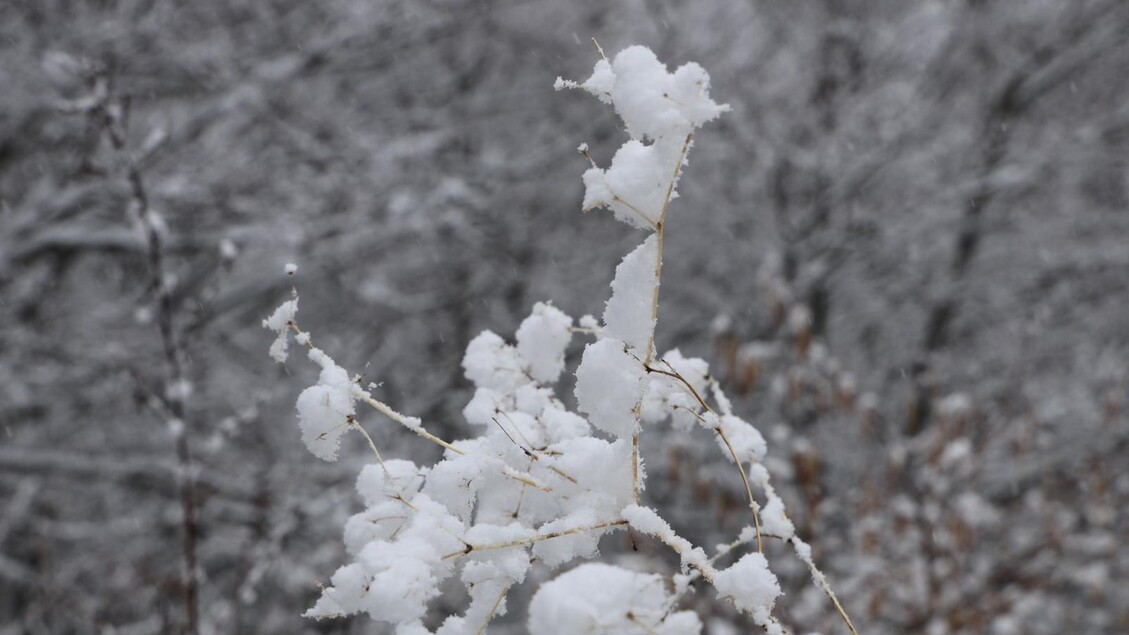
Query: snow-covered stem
(392, 414)
(660, 227)
(724, 438)
(803, 552)
(366, 397)
(689, 387)
(745, 482)
(524, 542)
(540, 484)
(693, 559)
(493, 610)
(411, 423)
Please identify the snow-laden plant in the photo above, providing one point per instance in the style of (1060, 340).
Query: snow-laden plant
(539, 483)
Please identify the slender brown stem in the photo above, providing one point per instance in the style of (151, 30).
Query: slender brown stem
(659, 226)
(532, 540)
(356, 424)
(493, 609)
(679, 377)
(380, 406)
(748, 490)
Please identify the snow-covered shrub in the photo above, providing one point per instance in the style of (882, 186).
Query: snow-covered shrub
(534, 483)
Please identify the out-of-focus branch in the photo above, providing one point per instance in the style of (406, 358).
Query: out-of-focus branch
(111, 115)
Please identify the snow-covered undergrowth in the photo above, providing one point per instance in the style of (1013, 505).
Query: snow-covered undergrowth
(534, 483)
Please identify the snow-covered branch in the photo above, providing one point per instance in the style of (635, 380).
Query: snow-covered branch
(538, 483)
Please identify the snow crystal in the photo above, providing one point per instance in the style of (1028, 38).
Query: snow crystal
(803, 550)
(323, 413)
(747, 441)
(774, 521)
(668, 395)
(483, 534)
(345, 596)
(505, 571)
(651, 101)
(758, 475)
(278, 322)
(491, 363)
(456, 480)
(628, 315)
(609, 383)
(522, 428)
(601, 599)
(402, 581)
(380, 522)
(634, 187)
(542, 339)
(601, 82)
(656, 105)
(562, 549)
(395, 477)
(415, 424)
(750, 585)
(324, 409)
(560, 424)
(532, 399)
(483, 407)
(395, 575)
(599, 467)
(646, 520)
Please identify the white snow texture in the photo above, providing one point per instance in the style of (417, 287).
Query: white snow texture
(536, 482)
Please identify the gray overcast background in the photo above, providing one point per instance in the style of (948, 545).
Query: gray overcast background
(906, 249)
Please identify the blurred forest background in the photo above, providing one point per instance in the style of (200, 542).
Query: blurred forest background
(907, 249)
